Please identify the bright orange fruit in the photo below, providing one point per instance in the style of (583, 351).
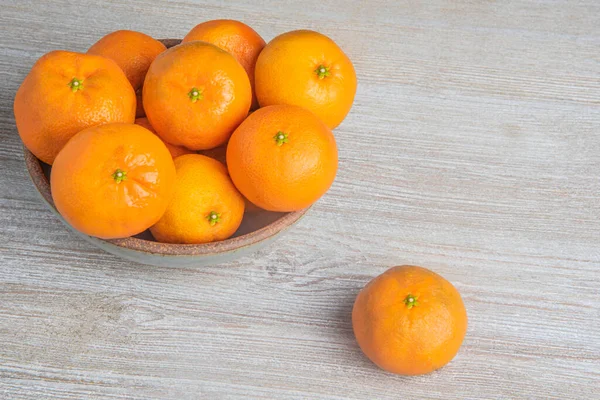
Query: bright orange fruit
(66, 92)
(306, 69)
(113, 180)
(234, 37)
(409, 320)
(195, 95)
(133, 52)
(282, 158)
(206, 206)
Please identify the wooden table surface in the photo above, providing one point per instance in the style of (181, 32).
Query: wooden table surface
(473, 149)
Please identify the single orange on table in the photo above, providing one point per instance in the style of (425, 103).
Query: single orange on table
(206, 206)
(66, 92)
(234, 37)
(113, 181)
(195, 95)
(306, 69)
(133, 52)
(282, 158)
(409, 320)
(175, 151)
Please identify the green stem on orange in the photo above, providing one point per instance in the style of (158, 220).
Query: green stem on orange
(281, 138)
(411, 301)
(322, 71)
(119, 175)
(213, 217)
(75, 84)
(195, 94)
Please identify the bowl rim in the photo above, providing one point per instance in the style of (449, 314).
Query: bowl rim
(41, 183)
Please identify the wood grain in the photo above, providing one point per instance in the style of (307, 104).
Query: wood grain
(473, 149)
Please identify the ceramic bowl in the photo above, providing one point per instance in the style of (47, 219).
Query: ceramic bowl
(257, 229)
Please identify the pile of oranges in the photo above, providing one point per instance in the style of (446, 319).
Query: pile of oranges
(181, 141)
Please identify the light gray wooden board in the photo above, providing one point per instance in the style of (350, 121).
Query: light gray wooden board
(473, 148)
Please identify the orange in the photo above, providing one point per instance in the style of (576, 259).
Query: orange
(113, 180)
(175, 151)
(206, 206)
(282, 158)
(234, 37)
(66, 92)
(133, 52)
(195, 95)
(409, 320)
(306, 69)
